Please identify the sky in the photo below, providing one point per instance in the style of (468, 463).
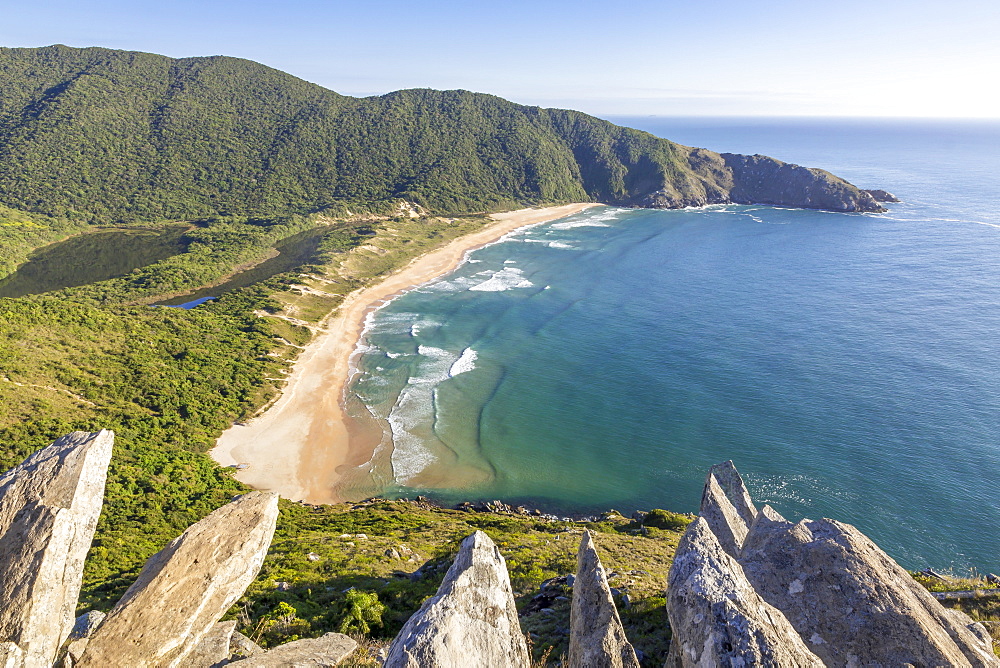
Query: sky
(915, 58)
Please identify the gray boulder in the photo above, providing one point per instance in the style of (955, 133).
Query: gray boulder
(471, 622)
(185, 588)
(717, 617)
(49, 506)
(749, 587)
(241, 647)
(850, 601)
(597, 638)
(11, 655)
(86, 624)
(327, 650)
(213, 649)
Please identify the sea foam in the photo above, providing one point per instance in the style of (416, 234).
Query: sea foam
(507, 278)
(465, 362)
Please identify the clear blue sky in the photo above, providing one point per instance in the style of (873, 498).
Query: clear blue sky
(665, 57)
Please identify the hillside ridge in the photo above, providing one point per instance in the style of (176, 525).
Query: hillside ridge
(102, 134)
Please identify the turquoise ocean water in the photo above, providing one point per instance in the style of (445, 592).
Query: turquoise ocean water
(848, 364)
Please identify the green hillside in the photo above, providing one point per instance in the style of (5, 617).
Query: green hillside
(106, 135)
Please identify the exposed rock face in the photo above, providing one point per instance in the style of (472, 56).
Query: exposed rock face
(213, 649)
(716, 616)
(49, 506)
(241, 647)
(327, 650)
(597, 639)
(779, 593)
(758, 179)
(471, 622)
(730, 178)
(86, 624)
(11, 655)
(186, 587)
(882, 196)
(850, 601)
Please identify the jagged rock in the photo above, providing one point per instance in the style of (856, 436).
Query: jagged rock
(759, 179)
(213, 649)
(11, 655)
(827, 590)
(717, 617)
(882, 196)
(849, 600)
(49, 506)
(470, 622)
(722, 516)
(74, 650)
(183, 589)
(86, 624)
(732, 485)
(327, 650)
(241, 647)
(597, 638)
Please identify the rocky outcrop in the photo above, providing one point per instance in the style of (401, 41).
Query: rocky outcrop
(11, 655)
(850, 601)
(773, 592)
(882, 196)
(49, 506)
(86, 624)
(327, 650)
(213, 649)
(717, 617)
(185, 588)
(758, 179)
(241, 647)
(470, 622)
(730, 178)
(597, 639)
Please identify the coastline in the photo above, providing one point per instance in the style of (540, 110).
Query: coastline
(298, 444)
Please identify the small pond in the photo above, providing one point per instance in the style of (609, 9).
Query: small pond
(91, 257)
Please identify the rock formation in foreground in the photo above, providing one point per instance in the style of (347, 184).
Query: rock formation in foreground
(184, 589)
(748, 587)
(597, 639)
(49, 506)
(327, 650)
(471, 622)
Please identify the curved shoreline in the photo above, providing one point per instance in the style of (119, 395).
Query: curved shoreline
(296, 446)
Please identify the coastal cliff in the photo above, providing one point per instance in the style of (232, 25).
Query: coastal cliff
(100, 134)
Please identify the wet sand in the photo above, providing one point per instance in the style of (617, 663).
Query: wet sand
(298, 444)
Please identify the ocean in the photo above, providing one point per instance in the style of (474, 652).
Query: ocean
(847, 363)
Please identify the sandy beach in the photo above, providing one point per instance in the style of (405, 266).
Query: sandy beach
(297, 445)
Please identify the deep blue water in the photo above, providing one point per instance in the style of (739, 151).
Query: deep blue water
(849, 364)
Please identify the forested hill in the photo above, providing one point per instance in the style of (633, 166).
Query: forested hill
(99, 134)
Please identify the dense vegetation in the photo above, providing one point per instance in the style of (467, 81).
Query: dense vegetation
(103, 135)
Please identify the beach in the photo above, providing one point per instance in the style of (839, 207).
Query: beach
(302, 444)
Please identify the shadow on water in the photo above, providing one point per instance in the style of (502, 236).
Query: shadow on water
(293, 252)
(91, 257)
